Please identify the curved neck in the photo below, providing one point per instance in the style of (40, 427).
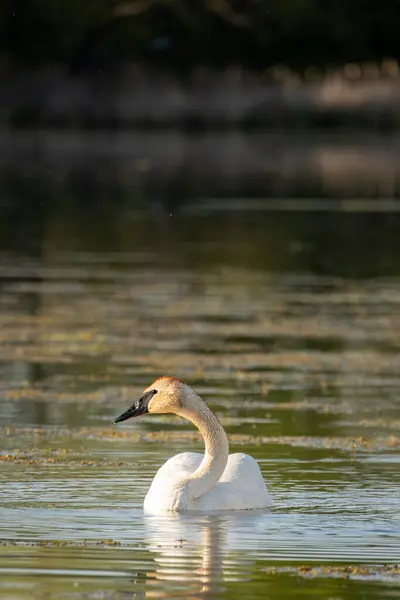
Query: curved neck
(216, 454)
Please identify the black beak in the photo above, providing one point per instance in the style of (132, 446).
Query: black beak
(141, 407)
(133, 411)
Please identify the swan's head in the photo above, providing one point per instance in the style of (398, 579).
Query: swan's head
(165, 395)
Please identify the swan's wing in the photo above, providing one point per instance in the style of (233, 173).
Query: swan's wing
(161, 495)
(231, 496)
(244, 472)
(241, 487)
(179, 466)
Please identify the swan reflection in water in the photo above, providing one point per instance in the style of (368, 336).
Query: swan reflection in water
(194, 556)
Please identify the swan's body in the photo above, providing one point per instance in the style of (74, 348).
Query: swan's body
(214, 481)
(241, 486)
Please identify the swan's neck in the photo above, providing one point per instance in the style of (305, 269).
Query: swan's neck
(216, 454)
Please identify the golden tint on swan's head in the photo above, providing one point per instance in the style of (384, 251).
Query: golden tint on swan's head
(169, 395)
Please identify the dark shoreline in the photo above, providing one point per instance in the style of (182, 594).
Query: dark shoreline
(230, 99)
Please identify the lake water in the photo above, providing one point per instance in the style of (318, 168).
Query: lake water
(263, 270)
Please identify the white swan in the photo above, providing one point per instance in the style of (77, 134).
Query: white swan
(192, 481)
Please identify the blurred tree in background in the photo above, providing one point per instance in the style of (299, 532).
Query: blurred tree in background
(181, 34)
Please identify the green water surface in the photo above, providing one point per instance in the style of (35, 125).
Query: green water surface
(120, 262)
